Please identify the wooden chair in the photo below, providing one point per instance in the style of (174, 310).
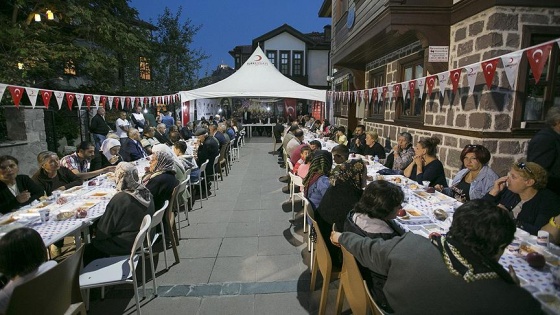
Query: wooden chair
(54, 292)
(157, 220)
(114, 270)
(372, 304)
(351, 286)
(323, 263)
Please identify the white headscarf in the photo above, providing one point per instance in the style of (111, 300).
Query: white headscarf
(129, 182)
(107, 145)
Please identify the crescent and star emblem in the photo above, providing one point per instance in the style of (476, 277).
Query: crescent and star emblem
(488, 70)
(510, 60)
(538, 52)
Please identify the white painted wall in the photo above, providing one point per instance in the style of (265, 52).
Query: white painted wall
(318, 67)
(286, 41)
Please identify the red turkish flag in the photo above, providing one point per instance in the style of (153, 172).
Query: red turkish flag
(366, 96)
(146, 101)
(489, 69)
(46, 95)
(384, 94)
(412, 89)
(153, 100)
(455, 76)
(116, 102)
(127, 102)
(17, 94)
(103, 101)
(159, 99)
(374, 96)
(70, 100)
(397, 89)
(537, 59)
(88, 99)
(430, 82)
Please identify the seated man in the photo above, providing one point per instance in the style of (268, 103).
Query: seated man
(134, 150)
(160, 134)
(79, 161)
(207, 150)
(456, 273)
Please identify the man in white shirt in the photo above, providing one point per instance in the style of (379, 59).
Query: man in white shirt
(122, 125)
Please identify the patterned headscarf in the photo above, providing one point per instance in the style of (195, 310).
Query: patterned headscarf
(321, 164)
(164, 163)
(353, 170)
(166, 148)
(128, 181)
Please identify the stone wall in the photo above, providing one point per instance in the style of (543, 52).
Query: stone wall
(26, 129)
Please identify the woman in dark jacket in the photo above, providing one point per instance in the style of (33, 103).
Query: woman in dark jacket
(160, 178)
(15, 190)
(118, 226)
(373, 217)
(51, 176)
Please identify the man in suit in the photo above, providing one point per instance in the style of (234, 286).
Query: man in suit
(134, 150)
(99, 128)
(160, 134)
(208, 149)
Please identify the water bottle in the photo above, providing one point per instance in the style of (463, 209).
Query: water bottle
(375, 159)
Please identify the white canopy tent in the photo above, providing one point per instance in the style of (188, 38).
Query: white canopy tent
(258, 77)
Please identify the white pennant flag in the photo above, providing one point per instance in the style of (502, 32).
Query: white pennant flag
(96, 99)
(390, 90)
(59, 97)
(133, 101)
(443, 77)
(404, 88)
(79, 100)
(511, 66)
(32, 94)
(123, 105)
(142, 101)
(472, 72)
(421, 84)
(2, 89)
(380, 93)
(110, 98)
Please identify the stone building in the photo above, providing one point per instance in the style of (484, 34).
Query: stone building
(379, 43)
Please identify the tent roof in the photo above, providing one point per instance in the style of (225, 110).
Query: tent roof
(258, 77)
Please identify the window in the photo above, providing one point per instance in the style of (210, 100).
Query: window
(376, 108)
(298, 63)
(70, 68)
(407, 106)
(145, 71)
(539, 97)
(285, 62)
(271, 55)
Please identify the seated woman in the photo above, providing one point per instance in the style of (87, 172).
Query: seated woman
(425, 165)
(118, 226)
(402, 154)
(301, 168)
(523, 192)
(346, 187)
(23, 258)
(177, 166)
(108, 156)
(340, 136)
(160, 177)
(51, 176)
(475, 179)
(185, 154)
(15, 190)
(317, 180)
(372, 147)
(373, 217)
(149, 140)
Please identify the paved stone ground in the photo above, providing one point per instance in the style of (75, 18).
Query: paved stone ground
(240, 255)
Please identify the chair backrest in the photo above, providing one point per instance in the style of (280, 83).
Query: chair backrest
(324, 260)
(188, 176)
(296, 180)
(52, 292)
(353, 283)
(217, 159)
(290, 165)
(177, 193)
(203, 168)
(372, 304)
(158, 215)
(140, 237)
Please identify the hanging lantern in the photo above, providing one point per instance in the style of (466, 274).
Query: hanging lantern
(50, 15)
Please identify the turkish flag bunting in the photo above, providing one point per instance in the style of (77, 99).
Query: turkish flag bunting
(89, 98)
(103, 100)
(537, 59)
(510, 62)
(110, 101)
(390, 89)
(472, 71)
(421, 84)
(489, 69)
(397, 89)
(46, 96)
(127, 102)
(442, 78)
(59, 96)
(97, 100)
(122, 101)
(412, 88)
(374, 94)
(384, 94)
(404, 89)
(455, 76)
(366, 96)
(70, 100)
(153, 101)
(430, 82)
(17, 94)
(117, 101)
(159, 99)
(79, 100)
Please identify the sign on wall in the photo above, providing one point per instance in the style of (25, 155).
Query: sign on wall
(438, 54)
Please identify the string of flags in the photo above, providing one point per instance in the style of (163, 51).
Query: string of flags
(81, 99)
(536, 56)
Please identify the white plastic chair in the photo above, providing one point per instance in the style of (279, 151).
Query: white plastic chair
(157, 219)
(119, 269)
(216, 173)
(201, 178)
(296, 181)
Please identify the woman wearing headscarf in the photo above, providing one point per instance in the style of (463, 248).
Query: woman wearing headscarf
(108, 156)
(346, 187)
(180, 170)
(160, 177)
(51, 176)
(317, 180)
(118, 226)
